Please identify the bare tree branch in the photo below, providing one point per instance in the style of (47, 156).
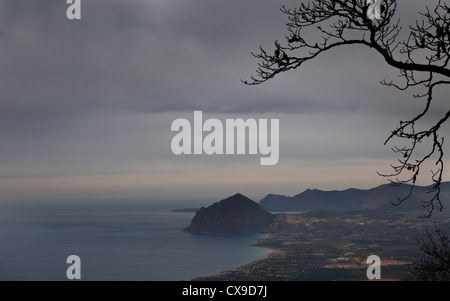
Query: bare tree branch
(422, 60)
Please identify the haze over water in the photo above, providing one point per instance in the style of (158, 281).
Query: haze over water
(114, 244)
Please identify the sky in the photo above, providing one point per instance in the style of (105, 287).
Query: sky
(86, 106)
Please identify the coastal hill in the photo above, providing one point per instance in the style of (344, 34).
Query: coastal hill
(236, 214)
(350, 199)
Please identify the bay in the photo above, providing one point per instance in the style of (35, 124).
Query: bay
(139, 245)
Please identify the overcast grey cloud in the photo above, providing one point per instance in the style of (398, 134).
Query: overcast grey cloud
(86, 106)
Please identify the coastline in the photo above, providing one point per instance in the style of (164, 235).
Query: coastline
(311, 247)
(335, 246)
(244, 272)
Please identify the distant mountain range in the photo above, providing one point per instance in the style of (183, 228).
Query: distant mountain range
(350, 199)
(239, 214)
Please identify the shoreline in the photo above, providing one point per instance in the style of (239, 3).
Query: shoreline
(326, 246)
(247, 268)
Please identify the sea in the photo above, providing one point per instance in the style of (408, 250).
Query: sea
(126, 242)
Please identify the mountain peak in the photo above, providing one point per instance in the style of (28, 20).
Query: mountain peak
(235, 214)
(237, 196)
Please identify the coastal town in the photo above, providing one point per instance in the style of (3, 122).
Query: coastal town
(330, 245)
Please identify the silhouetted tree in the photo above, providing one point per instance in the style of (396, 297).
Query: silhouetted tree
(436, 264)
(422, 60)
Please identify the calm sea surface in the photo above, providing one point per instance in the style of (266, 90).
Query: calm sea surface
(115, 245)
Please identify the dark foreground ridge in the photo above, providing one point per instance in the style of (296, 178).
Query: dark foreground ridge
(236, 214)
